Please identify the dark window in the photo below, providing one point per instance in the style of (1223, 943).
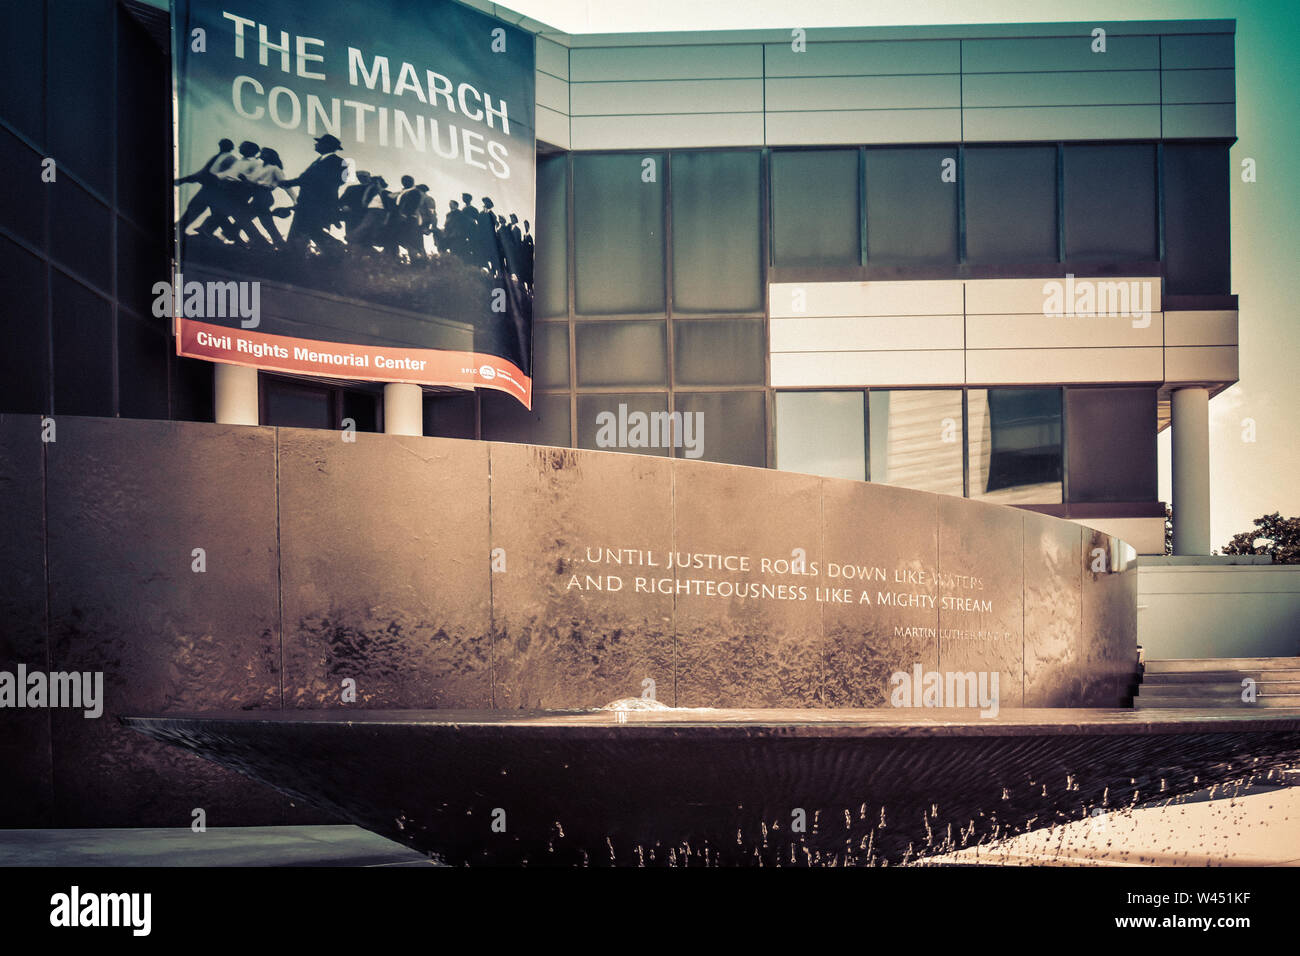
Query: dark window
(450, 416)
(730, 427)
(83, 349)
(142, 369)
(619, 233)
(1112, 444)
(80, 230)
(1010, 204)
(296, 404)
(622, 353)
(80, 89)
(550, 355)
(911, 208)
(815, 207)
(143, 108)
(1015, 444)
(504, 419)
(716, 232)
(299, 404)
(22, 208)
(141, 261)
(22, 68)
(628, 422)
(24, 359)
(1110, 203)
(725, 352)
(362, 408)
(1197, 228)
(192, 398)
(552, 256)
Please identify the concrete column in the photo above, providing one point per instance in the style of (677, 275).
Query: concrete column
(1191, 470)
(235, 394)
(403, 409)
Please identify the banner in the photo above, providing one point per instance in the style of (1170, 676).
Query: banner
(355, 191)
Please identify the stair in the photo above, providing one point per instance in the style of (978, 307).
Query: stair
(1220, 683)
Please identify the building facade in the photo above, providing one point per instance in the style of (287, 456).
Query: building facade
(987, 261)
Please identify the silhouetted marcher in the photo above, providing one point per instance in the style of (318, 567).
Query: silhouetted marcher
(450, 238)
(428, 214)
(235, 191)
(513, 240)
(205, 172)
(206, 177)
(406, 229)
(526, 260)
(372, 230)
(469, 243)
(268, 177)
(503, 243)
(488, 252)
(352, 204)
(388, 235)
(318, 197)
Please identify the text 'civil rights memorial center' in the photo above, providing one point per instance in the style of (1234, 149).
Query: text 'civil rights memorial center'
(985, 262)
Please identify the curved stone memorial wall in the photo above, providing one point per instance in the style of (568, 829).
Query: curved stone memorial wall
(392, 572)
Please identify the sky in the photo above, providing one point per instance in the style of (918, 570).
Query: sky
(1247, 479)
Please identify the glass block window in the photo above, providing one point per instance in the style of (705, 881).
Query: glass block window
(717, 232)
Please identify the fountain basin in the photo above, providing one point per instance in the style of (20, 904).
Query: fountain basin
(728, 787)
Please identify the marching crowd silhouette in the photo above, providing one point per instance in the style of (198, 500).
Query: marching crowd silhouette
(237, 192)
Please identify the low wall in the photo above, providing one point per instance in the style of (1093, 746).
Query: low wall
(435, 573)
(1218, 609)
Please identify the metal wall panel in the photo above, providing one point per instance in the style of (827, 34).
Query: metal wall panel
(872, 58)
(1199, 121)
(552, 92)
(1034, 54)
(831, 127)
(658, 97)
(723, 61)
(867, 333)
(1047, 123)
(1211, 363)
(1040, 331)
(1201, 328)
(553, 127)
(670, 131)
(1012, 88)
(552, 58)
(1063, 366)
(1199, 86)
(1076, 88)
(863, 92)
(846, 369)
(841, 334)
(938, 297)
(1196, 51)
(1026, 296)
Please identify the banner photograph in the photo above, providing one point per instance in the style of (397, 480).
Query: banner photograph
(355, 191)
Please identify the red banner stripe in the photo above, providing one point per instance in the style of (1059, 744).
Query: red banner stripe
(370, 363)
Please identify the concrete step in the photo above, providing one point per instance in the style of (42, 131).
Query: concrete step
(1222, 664)
(1219, 677)
(1215, 703)
(1196, 689)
